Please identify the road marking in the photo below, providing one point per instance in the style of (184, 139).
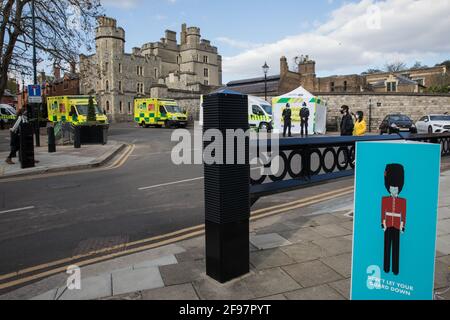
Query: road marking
(115, 165)
(170, 183)
(177, 182)
(18, 209)
(179, 236)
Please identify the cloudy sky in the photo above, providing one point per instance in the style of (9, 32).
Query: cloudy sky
(342, 36)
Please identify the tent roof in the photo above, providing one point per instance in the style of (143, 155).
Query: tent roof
(300, 92)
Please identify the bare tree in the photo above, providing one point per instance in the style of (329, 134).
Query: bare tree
(396, 66)
(63, 29)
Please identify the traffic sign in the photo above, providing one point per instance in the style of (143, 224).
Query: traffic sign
(34, 94)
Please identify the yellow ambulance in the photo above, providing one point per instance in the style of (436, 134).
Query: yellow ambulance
(73, 109)
(159, 112)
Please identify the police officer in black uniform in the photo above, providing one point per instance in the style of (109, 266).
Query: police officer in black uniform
(287, 116)
(304, 119)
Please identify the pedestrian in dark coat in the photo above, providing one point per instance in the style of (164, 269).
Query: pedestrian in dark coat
(347, 124)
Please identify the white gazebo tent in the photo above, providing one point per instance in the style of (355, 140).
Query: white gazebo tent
(297, 99)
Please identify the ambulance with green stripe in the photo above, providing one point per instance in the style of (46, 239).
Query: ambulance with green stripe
(259, 113)
(159, 112)
(73, 109)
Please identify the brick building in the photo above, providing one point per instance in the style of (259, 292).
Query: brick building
(408, 81)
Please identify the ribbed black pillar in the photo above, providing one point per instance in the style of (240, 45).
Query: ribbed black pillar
(227, 197)
(26, 146)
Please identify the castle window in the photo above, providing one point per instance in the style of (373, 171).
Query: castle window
(107, 107)
(156, 73)
(107, 85)
(332, 87)
(345, 85)
(206, 72)
(121, 107)
(206, 83)
(205, 59)
(120, 86)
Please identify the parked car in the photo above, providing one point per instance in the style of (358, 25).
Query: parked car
(396, 123)
(434, 123)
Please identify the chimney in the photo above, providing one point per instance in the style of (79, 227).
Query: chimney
(183, 34)
(283, 66)
(56, 71)
(73, 67)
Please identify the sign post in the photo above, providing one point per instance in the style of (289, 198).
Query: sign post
(35, 99)
(396, 210)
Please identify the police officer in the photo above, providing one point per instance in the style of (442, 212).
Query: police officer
(287, 117)
(304, 119)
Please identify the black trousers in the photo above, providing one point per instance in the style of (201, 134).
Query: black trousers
(287, 127)
(15, 145)
(305, 124)
(392, 248)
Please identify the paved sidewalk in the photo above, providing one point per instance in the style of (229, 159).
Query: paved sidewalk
(300, 255)
(67, 158)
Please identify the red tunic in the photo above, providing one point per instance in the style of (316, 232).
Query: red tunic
(393, 211)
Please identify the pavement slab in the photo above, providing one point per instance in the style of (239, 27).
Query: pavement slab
(268, 241)
(163, 261)
(129, 281)
(443, 244)
(444, 213)
(444, 227)
(323, 292)
(442, 275)
(270, 282)
(49, 295)
(209, 289)
(304, 252)
(343, 287)
(314, 273)
(278, 297)
(91, 288)
(268, 259)
(302, 235)
(335, 246)
(183, 272)
(332, 231)
(341, 264)
(179, 293)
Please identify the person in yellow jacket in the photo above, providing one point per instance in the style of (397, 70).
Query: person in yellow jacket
(360, 128)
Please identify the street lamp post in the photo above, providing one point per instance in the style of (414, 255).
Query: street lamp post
(265, 70)
(33, 18)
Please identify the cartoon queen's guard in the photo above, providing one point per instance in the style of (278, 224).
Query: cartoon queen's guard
(393, 216)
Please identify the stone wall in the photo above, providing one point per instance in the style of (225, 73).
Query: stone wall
(414, 105)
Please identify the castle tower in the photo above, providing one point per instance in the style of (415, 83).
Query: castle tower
(109, 39)
(193, 36)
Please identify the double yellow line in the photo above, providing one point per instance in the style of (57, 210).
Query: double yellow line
(129, 149)
(55, 267)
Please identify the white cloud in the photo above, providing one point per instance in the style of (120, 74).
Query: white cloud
(408, 30)
(123, 4)
(237, 43)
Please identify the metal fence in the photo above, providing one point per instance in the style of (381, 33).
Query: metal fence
(306, 162)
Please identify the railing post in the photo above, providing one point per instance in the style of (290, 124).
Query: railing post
(227, 193)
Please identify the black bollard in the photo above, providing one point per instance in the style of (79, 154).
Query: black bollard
(51, 140)
(26, 146)
(227, 194)
(77, 137)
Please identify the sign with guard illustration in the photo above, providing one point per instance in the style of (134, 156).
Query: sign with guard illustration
(396, 210)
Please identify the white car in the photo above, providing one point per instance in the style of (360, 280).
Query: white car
(434, 123)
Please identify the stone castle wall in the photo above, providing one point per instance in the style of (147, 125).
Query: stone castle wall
(414, 105)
